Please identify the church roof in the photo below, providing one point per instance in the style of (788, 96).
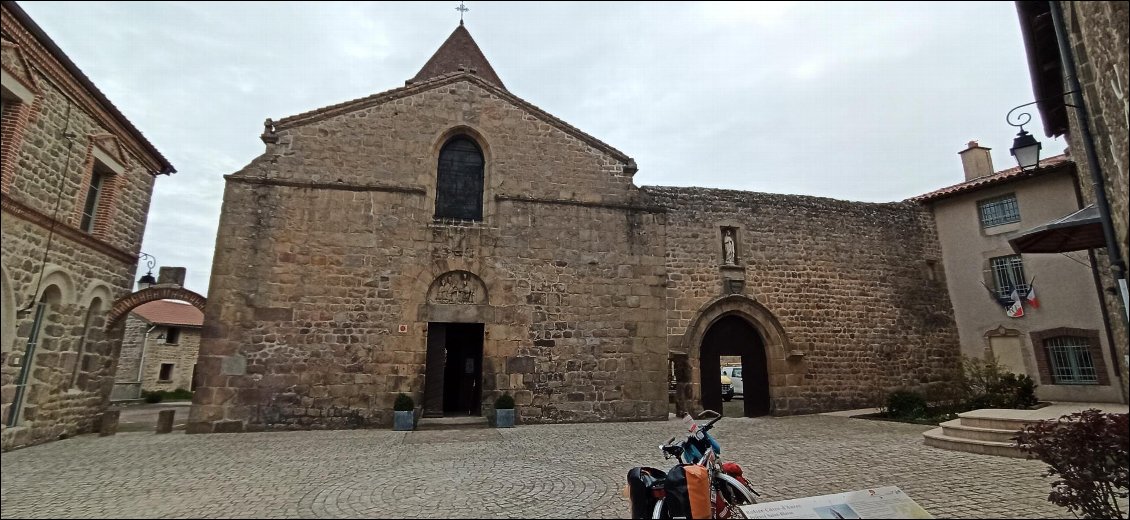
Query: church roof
(458, 59)
(459, 52)
(440, 81)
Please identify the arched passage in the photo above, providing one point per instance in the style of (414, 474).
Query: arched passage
(152, 294)
(771, 341)
(734, 336)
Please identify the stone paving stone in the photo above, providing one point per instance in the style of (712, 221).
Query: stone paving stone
(541, 471)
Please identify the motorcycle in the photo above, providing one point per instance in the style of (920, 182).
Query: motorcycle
(697, 487)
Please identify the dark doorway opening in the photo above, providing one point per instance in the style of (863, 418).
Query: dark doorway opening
(734, 336)
(454, 372)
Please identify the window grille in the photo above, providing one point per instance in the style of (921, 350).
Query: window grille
(1071, 362)
(998, 211)
(1008, 274)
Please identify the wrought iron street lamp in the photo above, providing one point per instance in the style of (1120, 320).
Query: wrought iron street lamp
(147, 280)
(1025, 147)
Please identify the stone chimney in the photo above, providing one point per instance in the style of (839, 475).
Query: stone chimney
(976, 161)
(171, 276)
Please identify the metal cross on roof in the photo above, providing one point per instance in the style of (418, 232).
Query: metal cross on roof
(462, 9)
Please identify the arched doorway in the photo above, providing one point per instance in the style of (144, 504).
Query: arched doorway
(734, 336)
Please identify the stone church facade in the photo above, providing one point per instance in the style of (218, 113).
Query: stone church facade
(452, 241)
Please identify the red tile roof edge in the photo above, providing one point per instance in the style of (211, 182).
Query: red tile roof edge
(1048, 165)
(166, 312)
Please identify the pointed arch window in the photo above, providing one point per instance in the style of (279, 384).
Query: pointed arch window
(459, 180)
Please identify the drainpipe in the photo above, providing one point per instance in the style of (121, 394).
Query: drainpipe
(1117, 264)
(141, 362)
(25, 365)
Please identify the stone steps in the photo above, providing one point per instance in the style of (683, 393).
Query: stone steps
(938, 439)
(452, 423)
(956, 429)
(980, 431)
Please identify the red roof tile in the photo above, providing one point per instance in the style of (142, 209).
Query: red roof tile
(1047, 165)
(168, 312)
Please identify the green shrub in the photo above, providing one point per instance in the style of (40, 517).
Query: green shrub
(1090, 453)
(906, 404)
(178, 394)
(157, 396)
(504, 402)
(403, 403)
(986, 384)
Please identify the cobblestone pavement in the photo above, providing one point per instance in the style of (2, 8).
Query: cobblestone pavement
(554, 471)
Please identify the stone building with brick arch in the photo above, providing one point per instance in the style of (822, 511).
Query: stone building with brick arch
(452, 241)
(77, 178)
(158, 349)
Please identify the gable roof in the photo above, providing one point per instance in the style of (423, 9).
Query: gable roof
(458, 52)
(444, 80)
(1049, 165)
(168, 312)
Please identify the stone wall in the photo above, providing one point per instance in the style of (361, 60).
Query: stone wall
(318, 309)
(849, 297)
(130, 352)
(1098, 36)
(45, 180)
(181, 354)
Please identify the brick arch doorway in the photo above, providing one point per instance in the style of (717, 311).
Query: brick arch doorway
(734, 336)
(130, 301)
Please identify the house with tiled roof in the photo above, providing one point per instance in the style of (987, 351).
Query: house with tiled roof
(159, 349)
(1036, 314)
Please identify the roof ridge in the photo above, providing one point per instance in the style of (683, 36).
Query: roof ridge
(458, 52)
(388, 95)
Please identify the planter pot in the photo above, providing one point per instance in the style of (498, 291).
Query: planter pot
(504, 418)
(403, 421)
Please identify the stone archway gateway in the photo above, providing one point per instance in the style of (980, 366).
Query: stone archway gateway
(762, 343)
(732, 335)
(130, 301)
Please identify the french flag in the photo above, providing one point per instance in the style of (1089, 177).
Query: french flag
(1031, 297)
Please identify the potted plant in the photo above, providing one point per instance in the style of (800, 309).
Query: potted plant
(504, 411)
(404, 419)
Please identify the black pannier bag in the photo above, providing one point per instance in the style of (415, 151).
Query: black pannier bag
(640, 482)
(688, 492)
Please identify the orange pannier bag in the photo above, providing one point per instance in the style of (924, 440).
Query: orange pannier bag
(688, 491)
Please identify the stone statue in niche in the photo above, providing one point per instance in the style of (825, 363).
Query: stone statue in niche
(728, 255)
(459, 287)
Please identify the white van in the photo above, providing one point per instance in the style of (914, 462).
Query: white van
(734, 372)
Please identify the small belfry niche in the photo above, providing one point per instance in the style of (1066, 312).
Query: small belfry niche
(733, 274)
(729, 237)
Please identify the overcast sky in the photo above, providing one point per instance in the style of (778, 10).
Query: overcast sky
(857, 101)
